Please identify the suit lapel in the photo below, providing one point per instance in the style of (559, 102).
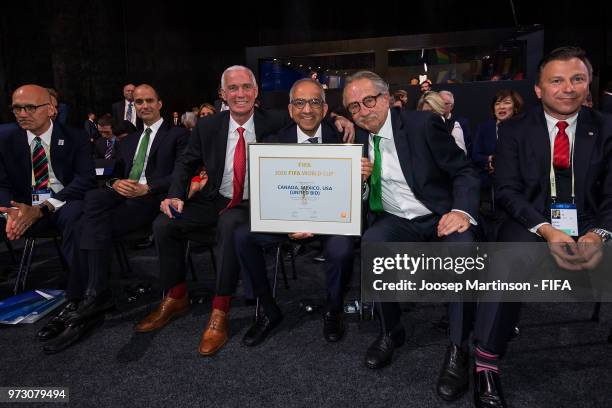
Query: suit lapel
(129, 146)
(220, 146)
(403, 147)
(58, 152)
(328, 135)
(23, 156)
(584, 141)
(159, 137)
(541, 146)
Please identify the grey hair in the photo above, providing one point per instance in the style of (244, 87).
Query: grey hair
(307, 80)
(449, 94)
(189, 119)
(238, 68)
(379, 84)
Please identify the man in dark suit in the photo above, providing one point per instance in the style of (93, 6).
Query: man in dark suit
(128, 202)
(220, 104)
(218, 143)
(90, 127)
(531, 146)
(450, 119)
(606, 99)
(106, 147)
(125, 110)
(307, 108)
(53, 163)
(422, 187)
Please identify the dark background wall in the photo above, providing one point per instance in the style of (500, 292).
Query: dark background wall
(88, 49)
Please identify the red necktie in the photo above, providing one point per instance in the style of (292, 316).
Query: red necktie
(239, 170)
(561, 156)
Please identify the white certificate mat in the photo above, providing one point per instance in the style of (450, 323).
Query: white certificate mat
(305, 188)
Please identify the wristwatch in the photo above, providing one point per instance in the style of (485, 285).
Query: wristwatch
(603, 234)
(45, 209)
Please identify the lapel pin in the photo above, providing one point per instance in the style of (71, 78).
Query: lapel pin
(60, 142)
(590, 133)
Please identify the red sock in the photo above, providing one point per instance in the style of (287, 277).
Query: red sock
(179, 291)
(222, 303)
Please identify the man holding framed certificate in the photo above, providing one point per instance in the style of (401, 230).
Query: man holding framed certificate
(307, 108)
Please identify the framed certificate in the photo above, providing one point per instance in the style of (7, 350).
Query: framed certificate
(305, 188)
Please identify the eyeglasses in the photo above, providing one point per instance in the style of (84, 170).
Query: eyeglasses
(30, 109)
(315, 103)
(368, 102)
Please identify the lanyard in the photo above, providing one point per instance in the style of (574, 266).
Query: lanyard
(553, 181)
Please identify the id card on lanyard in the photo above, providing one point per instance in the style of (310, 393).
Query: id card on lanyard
(563, 216)
(40, 196)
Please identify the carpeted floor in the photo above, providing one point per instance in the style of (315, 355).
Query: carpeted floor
(560, 359)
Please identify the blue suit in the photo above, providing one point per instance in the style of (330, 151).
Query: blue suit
(338, 250)
(485, 143)
(72, 165)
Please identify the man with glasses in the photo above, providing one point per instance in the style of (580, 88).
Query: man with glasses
(307, 108)
(45, 171)
(218, 143)
(422, 187)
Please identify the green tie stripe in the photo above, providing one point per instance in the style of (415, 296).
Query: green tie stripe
(139, 160)
(375, 183)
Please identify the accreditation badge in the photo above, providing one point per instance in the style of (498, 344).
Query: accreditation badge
(39, 196)
(564, 217)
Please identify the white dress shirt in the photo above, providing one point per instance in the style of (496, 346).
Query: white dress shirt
(125, 111)
(397, 197)
(154, 128)
(227, 183)
(303, 137)
(54, 184)
(570, 130)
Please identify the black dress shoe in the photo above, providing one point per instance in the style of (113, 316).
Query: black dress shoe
(454, 378)
(259, 330)
(487, 390)
(73, 332)
(93, 305)
(380, 352)
(58, 323)
(333, 326)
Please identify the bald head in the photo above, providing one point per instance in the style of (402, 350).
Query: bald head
(32, 108)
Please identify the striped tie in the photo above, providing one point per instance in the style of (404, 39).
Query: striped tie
(40, 165)
(109, 150)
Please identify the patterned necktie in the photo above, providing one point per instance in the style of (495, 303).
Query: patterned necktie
(239, 170)
(312, 140)
(561, 156)
(139, 160)
(128, 115)
(40, 166)
(375, 184)
(109, 150)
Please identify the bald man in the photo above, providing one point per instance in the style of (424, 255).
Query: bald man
(125, 109)
(45, 171)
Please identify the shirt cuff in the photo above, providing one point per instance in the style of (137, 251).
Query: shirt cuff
(57, 204)
(535, 229)
(472, 220)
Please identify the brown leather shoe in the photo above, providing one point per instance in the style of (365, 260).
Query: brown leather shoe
(167, 310)
(215, 335)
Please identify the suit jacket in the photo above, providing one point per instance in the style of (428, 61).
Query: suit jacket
(167, 146)
(71, 162)
(485, 143)
(100, 148)
(91, 129)
(207, 147)
(436, 170)
(606, 103)
(118, 110)
(522, 169)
